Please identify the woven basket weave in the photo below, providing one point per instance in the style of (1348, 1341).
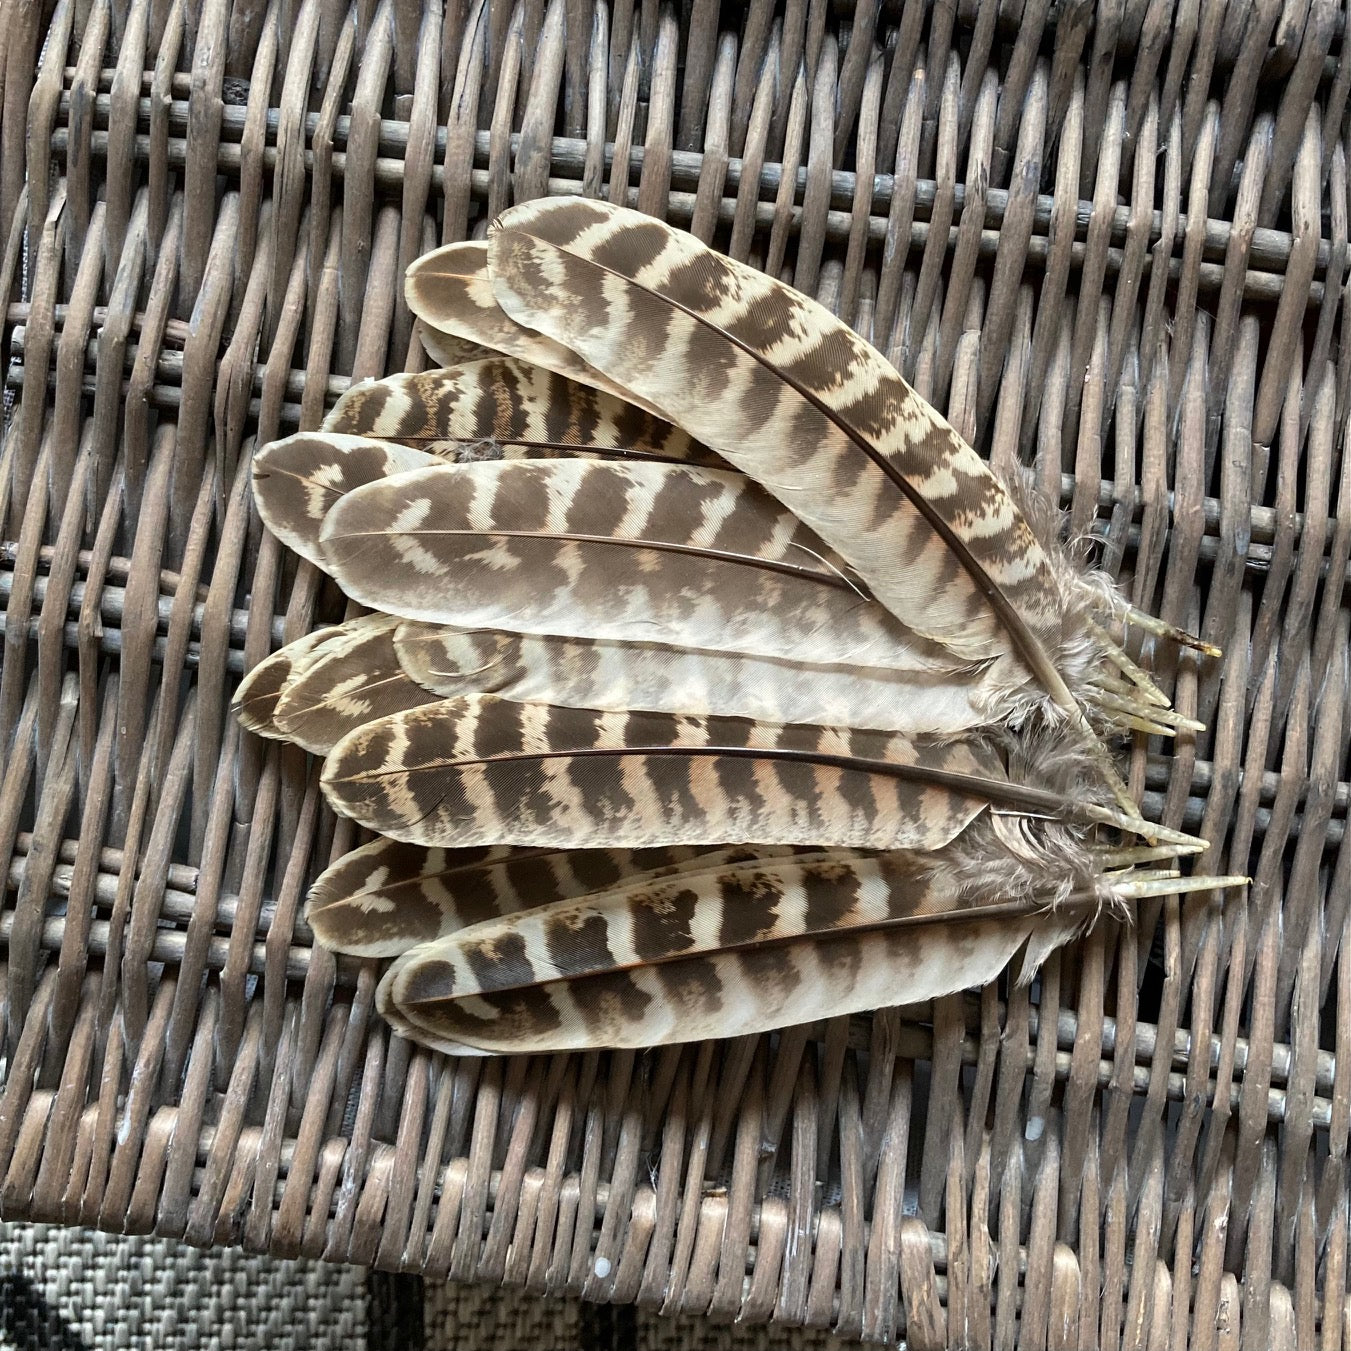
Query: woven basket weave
(1109, 241)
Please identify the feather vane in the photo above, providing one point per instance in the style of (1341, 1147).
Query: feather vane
(574, 548)
(255, 701)
(450, 290)
(479, 770)
(749, 946)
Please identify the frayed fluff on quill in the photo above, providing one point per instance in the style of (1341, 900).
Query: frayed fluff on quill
(1039, 861)
(1086, 593)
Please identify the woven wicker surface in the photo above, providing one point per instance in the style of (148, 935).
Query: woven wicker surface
(1109, 240)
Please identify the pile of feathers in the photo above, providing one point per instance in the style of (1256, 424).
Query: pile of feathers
(705, 682)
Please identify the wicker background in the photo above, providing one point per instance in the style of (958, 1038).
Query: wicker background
(1109, 240)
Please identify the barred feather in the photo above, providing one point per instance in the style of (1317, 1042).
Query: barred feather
(450, 291)
(255, 700)
(296, 481)
(588, 549)
(483, 770)
(776, 384)
(505, 409)
(615, 676)
(386, 897)
(703, 951)
(353, 680)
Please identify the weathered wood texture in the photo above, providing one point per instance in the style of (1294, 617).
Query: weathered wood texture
(1109, 241)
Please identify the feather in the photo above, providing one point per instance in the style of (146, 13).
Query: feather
(446, 350)
(386, 897)
(255, 700)
(614, 676)
(450, 291)
(748, 946)
(590, 549)
(494, 409)
(484, 770)
(633, 730)
(505, 409)
(775, 383)
(355, 679)
(297, 480)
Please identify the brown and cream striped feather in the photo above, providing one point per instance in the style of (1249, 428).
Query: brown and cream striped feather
(495, 409)
(354, 679)
(255, 701)
(298, 480)
(483, 770)
(386, 897)
(506, 409)
(790, 395)
(703, 951)
(614, 676)
(450, 290)
(638, 552)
